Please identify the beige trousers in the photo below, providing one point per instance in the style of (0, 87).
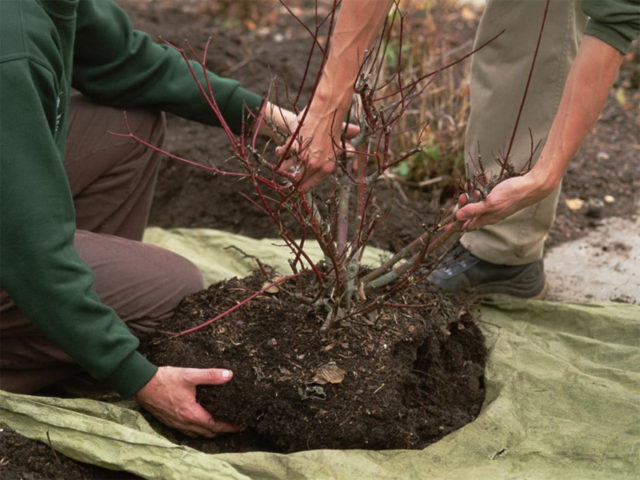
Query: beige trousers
(498, 79)
(112, 180)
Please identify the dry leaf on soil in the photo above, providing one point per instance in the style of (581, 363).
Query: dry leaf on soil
(329, 373)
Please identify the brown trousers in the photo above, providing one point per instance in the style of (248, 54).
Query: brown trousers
(112, 180)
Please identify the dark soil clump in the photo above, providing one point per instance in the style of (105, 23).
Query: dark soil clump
(405, 377)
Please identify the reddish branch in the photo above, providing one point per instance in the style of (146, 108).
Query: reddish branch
(237, 306)
(344, 221)
(526, 90)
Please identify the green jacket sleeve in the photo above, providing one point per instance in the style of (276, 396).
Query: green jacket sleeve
(117, 65)
(39, 265)
(616, 22)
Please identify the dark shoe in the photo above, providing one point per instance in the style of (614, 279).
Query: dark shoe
(462, 272)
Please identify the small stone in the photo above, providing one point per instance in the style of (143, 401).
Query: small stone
(574, 204)
(602, 156)
(609, 199)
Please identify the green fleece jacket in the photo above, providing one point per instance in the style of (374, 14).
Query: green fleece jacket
(46, 47)
(616, 22)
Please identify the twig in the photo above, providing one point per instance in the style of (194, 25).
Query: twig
(526, 89)
(53, 450)
(235, 307)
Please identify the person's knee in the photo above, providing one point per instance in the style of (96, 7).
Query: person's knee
(138, 280)
(186, 276)
(173, 280)
(182, 278)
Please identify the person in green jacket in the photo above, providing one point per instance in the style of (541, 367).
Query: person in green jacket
(501, 252)
(75, 201)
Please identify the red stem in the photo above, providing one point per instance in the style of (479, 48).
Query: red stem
(526, 90)
(235, 307)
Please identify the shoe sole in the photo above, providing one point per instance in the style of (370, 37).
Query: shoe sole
(507, 296)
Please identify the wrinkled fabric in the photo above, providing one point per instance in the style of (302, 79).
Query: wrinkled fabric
(563, 384)
(222, 255)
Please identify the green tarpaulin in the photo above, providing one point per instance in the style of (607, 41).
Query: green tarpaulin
(563, 402)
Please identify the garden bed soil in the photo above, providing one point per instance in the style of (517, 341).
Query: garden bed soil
(402, 376)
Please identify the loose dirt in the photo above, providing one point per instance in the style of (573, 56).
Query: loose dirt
(395, 377)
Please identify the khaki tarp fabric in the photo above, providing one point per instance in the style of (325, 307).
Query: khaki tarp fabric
(563, 402)
(222, 255)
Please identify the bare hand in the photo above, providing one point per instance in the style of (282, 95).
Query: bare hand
(314, 149)
(504, 200)
(170, 396)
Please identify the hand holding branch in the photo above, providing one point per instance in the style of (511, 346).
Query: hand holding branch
(359, 21)
(316, 148)
(585, 92)
(505, 199)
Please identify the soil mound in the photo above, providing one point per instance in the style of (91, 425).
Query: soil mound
(401, 376)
